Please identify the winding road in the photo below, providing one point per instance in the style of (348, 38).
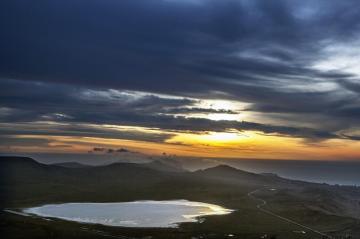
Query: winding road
(263, 203)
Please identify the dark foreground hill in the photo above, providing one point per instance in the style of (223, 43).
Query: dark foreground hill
(25, 182)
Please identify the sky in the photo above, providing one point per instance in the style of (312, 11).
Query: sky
(276, 79)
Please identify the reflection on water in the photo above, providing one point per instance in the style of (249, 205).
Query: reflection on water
(131, 214)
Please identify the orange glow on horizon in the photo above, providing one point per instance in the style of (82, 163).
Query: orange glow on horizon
(248, 144)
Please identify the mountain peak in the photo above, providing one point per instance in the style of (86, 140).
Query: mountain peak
(224, 170)
(222, 167)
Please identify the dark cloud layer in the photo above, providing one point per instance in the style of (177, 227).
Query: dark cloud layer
(79, 115)
(62, 60)
(169, 46)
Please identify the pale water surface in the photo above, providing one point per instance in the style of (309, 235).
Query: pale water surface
(131, 214)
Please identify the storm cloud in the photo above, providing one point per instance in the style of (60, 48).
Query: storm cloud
(150, 63)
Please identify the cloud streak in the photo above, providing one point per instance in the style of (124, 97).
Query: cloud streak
(142, 64)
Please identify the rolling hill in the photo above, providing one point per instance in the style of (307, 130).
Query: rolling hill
(25, 182)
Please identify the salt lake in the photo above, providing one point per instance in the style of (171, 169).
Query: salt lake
(131, 214)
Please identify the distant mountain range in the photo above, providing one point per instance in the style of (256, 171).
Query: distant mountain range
(71, 165)
(160, 165)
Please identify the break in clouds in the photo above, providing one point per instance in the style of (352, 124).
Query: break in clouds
(289, 66)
